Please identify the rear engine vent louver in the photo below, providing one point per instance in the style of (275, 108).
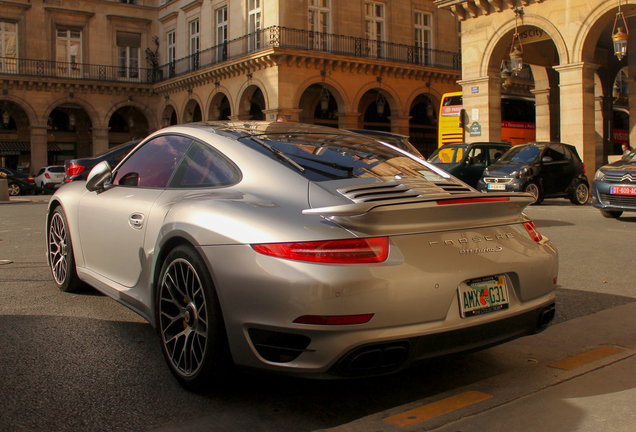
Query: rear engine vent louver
(402, 190)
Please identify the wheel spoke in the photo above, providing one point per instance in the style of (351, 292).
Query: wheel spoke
(183, 317)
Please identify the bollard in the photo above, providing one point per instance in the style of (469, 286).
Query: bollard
(4, 189)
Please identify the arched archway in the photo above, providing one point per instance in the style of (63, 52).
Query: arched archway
(252, 104)
(423, 124)
(219, 107)
(319, 105)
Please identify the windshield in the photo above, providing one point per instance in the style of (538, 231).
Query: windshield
(522, 153)
(322, 157)
(630, 157)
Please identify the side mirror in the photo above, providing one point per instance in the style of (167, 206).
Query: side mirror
(546, 159)
(97, 178)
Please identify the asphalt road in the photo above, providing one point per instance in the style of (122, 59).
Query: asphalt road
(82, 362)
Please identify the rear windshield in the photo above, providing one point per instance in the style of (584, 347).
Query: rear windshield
(323, 157)
(525, 154)
(57, 169)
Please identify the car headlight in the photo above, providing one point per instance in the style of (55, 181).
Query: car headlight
(600, 175)
(523, 172)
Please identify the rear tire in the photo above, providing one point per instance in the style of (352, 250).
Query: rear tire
(60, 253)
(580, 194)
(189, 321)
(611, 214)
(533, 189)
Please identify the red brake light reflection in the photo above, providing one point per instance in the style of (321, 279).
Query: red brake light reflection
(349, 251)
(74, 169)
(532, 230)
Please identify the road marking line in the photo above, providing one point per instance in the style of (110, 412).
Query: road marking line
(437, 408)
(585, 358)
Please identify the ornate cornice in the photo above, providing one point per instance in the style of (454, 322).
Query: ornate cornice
(464, 10)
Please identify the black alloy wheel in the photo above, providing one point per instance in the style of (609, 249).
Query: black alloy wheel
(189, 320)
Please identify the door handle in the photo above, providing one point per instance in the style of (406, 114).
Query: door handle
(136, 221)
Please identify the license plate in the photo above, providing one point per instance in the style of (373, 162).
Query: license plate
(623, 190)
(482, 296)
(496, 186)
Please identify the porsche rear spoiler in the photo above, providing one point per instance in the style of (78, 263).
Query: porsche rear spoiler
(432, 213)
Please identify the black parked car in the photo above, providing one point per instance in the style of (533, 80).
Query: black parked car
(614, 187)
(78, 169)
(468, 161)
(543, 169)
(19, 183)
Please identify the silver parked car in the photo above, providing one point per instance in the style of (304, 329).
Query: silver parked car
(300, 249)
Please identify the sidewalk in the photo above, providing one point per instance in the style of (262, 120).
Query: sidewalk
(21, 199)
(579, 375)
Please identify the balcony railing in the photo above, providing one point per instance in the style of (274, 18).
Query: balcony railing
(304, 40)
(84, 71)
(271, 37)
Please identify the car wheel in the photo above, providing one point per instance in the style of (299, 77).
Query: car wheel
(533, 189)
(612, 214)
(189, 320)
(580, 194)
(60, 253)
(14, 189)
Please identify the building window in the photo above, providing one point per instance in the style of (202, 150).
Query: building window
(318, 24)
(68, 52)
(172, 52)
(221, 33)
(128, 48)
(194, 44)
(8, 47)
(374, 16)
(254, 23)
(423, 37)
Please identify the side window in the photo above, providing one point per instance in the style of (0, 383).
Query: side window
(556, 152)
(477, 156)
(153, 164)
(204, 167)
(495, 153)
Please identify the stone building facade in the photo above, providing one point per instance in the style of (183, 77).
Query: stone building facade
(579, 85)
(81, 76)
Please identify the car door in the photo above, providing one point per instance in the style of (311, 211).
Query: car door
(476, 162)
(554, 171)
(112, 223)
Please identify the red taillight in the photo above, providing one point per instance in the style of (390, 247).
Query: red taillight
(350, 251)
(333, 320)
(583, 168)
(31, 179)
(74, 169)
(47, 176)
(532, 230)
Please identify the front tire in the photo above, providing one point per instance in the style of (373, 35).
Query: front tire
(580, 194)
(611, 214)
(533, 189)
(189, 320)
(60, 253)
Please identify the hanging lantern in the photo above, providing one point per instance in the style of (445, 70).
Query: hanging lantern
(324, 99)
(516, 49)
(247, 105)
(5, 118)
(215, 112)
(619, 37)
(131, 120)
(72, 120)
(380, 101)
(165, 120)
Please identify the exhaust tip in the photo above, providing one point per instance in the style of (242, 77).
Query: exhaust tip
(546, 316)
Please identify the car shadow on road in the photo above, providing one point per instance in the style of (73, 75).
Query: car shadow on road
(544, 223)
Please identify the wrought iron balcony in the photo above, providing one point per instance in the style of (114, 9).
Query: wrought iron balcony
(270, 38)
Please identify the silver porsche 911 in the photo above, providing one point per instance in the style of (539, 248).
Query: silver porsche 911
(300, 249)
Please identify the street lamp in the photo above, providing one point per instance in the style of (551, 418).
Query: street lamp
(516, 49)
(619, 36)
